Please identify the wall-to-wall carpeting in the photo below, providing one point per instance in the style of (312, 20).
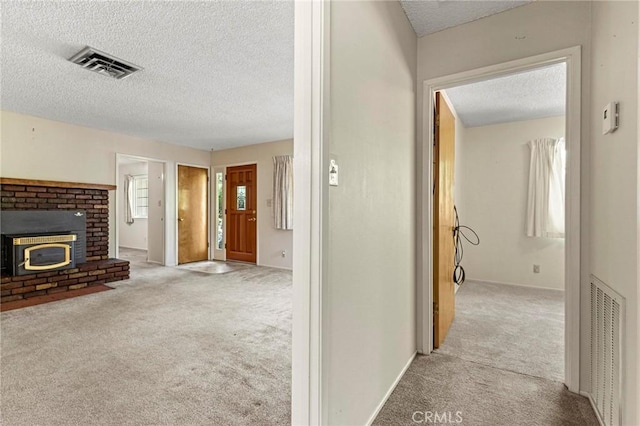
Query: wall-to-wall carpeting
(170, 346)
(501, 364)
(513, 328)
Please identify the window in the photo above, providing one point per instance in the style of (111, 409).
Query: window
(219, 216)
(241, 197)
(140, 205)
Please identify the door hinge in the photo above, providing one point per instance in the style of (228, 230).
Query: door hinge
(225, 177)
(435, 309)
(225, 245)
(225, 211)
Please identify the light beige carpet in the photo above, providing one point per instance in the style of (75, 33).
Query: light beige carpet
(168, 347)
(500, 365)
(481, 396)
(513, 328)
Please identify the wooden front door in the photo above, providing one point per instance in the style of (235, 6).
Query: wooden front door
(193, 214)
(242, 185)
(443, 221)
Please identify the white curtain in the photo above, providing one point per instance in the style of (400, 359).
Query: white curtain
(128, 199)
(545, 208)
(283, 191)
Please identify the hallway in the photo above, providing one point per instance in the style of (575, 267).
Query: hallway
(494, 367)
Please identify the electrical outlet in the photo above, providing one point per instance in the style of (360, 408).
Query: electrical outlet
(536, 269)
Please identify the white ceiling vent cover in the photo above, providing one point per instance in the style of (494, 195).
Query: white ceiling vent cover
(103, 63)
(607, 317)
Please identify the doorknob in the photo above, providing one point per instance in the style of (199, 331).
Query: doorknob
(252, 219)
(180, 219)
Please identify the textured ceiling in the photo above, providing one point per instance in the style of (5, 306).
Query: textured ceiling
(430, 16)
(216, 74)
(525, 96)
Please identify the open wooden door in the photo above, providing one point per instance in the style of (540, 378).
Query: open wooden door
(242, 186)
(443, 221)
(193, 214)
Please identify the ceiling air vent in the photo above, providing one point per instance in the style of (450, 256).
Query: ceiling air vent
(103, 63)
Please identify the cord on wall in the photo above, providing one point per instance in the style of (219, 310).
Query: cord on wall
(458, 270)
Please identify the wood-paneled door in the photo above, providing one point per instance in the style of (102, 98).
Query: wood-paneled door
(443, 221)
(193, 214)
(242, 213)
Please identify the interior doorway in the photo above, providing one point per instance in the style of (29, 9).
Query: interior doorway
(193, 214)
(140, 210)
(506, 207)
(570, 267)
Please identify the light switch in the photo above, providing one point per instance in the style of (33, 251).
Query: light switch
(333, 173)
(610, 117)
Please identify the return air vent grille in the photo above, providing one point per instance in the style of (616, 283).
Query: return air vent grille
(607, 312)
(103, 63)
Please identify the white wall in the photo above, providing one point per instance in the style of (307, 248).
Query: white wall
(66, 152)
(133, 235)
(156, 225)
(271, 241)
(609, 164)
(494, 166)
(369, 295)
(613, 245)
(537, 28)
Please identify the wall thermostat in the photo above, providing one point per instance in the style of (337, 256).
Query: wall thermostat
(610, 117)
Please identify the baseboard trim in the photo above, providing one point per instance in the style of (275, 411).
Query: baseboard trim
(391, 389)
(593, 406)
(276, 267)
(513, 284)
(133, 248)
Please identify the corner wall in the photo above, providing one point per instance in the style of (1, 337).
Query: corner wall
(608, 34)
(613, 177)
(494, 167)
(369, 295)
(37, 148)
(271, 241)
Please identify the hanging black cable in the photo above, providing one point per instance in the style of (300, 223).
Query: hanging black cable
(458, 270)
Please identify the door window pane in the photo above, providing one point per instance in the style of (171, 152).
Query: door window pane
(241, 197)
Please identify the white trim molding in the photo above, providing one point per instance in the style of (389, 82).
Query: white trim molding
(117, 201)
(311, 118)
(391, 389)
(572, 57)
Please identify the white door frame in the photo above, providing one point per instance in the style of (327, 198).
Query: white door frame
(310, 209)
(571, 56)
(209, 219)
(120, 156)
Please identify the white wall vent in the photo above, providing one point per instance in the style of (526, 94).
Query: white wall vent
(607, 316)
(103, 63)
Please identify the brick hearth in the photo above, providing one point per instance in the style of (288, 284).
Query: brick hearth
(18, 194)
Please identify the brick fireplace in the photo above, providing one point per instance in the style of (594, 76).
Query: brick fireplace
(93, 201)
